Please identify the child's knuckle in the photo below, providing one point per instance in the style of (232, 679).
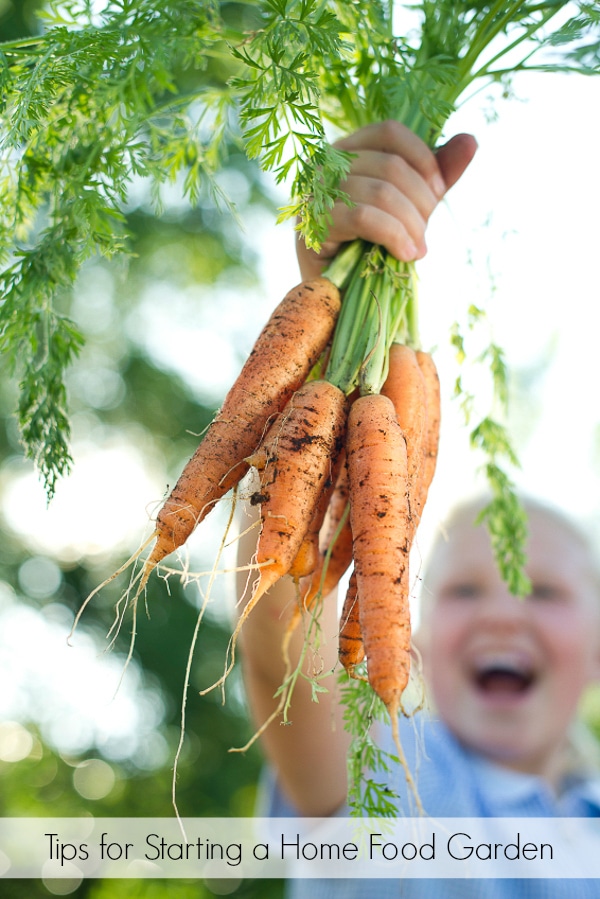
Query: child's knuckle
(379, 192)
(391, 131)
(361, 217)
(392, 169)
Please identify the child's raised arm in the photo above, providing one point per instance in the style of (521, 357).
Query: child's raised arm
(395, 183)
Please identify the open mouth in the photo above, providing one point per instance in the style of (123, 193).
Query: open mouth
(503, 678)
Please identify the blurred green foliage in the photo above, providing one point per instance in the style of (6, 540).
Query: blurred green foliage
(181, 248)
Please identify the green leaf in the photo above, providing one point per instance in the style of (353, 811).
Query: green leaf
(506, 521)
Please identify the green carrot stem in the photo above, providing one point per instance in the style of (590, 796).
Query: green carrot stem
(341, 268)
(357, 318)
(372, 372)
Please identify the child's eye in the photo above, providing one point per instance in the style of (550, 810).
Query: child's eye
(545, 591)
(465, 590)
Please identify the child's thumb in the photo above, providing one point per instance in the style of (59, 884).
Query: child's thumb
(454, 157)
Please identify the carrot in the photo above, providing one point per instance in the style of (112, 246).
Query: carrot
(334, 551)
(382, 532)
(302, 449)
(405, 386)
(432, 433)
(380, 519)
(285, 352)
(351, 649)
(302, 444)
(335, 542)
(307, 557)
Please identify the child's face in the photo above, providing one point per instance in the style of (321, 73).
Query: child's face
(506, 674)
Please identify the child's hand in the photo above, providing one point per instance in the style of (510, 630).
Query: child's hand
(395, 182)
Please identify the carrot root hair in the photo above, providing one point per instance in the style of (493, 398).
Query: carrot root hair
(394, 711)
(130, 561)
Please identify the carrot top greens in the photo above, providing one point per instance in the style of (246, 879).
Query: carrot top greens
(158, 88)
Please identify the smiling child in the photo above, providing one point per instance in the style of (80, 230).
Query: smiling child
(506, 674)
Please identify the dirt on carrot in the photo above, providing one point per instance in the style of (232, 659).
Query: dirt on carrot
(284, 354)
(301, 449)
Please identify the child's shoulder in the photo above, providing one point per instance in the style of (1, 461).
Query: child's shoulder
(454, 781)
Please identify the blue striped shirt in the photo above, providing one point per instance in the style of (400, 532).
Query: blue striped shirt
(452, 782)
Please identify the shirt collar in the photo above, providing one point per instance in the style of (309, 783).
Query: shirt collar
(510, 789)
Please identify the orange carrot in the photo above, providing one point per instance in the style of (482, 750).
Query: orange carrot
(432, 432)
(302, 444)
(405, 386)
(381, 528)
(382, 531)
(333, 547)
(285, 352)
(307, 557)
(335, 542)
(351, 649)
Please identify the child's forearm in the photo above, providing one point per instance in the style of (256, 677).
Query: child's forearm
(308, 749)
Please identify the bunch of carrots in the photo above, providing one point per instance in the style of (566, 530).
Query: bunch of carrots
(337, 408)
(343, 474)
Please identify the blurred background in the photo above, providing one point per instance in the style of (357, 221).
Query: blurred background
(166, 333)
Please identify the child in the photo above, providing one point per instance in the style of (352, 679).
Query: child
(505, 674)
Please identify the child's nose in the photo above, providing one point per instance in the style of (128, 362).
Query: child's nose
(501, 608)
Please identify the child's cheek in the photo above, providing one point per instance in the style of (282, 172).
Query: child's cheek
(570, 649)
(443, 640)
